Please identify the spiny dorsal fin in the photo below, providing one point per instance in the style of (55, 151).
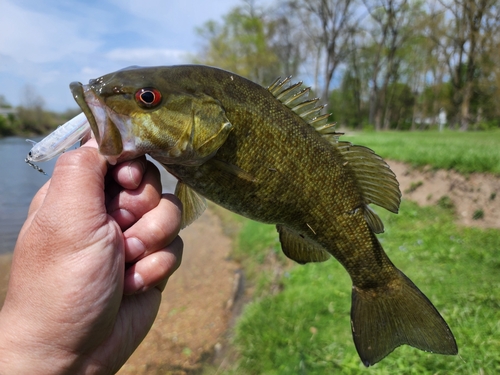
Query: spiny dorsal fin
(193, 204)
(296, 98)
(376, 180)
(299, 248)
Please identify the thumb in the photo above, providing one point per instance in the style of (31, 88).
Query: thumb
(77, 185)
(73, 209)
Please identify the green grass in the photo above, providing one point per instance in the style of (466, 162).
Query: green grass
(305, 329)
(464, 152)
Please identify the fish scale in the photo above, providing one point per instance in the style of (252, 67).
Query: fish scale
(270, 155)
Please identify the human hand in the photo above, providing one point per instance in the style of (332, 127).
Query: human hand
(89, 267)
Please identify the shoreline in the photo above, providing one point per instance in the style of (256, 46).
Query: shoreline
(5, 263)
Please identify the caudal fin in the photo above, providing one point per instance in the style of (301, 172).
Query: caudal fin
(384, 318)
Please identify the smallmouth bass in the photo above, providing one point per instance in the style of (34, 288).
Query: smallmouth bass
(270, 155)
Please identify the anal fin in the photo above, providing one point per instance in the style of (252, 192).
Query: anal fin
(299, 248)
(193, 204)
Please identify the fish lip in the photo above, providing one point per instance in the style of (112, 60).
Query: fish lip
(79, 96)
(102, 120)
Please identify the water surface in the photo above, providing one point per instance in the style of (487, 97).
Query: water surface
(18, 184)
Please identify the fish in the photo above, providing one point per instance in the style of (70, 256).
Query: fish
(271, 155)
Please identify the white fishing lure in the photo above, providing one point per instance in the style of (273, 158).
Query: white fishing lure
(58, 141)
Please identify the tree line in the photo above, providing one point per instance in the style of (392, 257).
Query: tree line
(31, 117)
(386, 64)
(382, 64)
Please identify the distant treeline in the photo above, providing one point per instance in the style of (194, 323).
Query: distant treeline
(387, 64)
(382, 64)
(30, 118)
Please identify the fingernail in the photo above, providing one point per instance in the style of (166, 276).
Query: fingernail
(133, 165)
(122, 214)
(138, 281)
(133, 248)
(133, 282)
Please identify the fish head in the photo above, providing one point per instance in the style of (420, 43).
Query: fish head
(137, 111)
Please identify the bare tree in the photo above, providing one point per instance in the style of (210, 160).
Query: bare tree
(328, 24)
(463, 36)
(286, 39)
(393, 26)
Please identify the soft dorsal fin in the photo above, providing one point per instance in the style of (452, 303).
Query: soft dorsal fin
(193, 204)
(299, 248)
(376, 180)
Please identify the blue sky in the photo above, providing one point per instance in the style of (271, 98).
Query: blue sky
(48, 44)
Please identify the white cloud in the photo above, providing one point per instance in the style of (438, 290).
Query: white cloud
(172, 23)
(28, 35)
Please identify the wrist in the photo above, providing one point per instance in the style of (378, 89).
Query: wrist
(22, 352)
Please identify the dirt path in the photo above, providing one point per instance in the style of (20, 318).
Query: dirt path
(196, 305)
(475, 198)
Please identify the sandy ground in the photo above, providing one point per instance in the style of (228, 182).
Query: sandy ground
(470, 195)
(197, 306)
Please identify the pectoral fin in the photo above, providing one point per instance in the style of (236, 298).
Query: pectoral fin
(299, 248)
(193, 204)
(210, 125)
(196, 126)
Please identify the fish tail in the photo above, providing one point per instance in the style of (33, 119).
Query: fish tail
(384, 318)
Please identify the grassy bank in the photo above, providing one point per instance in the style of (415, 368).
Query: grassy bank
(305, 329)
(464, 152)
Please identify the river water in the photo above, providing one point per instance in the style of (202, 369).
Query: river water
(19, 183)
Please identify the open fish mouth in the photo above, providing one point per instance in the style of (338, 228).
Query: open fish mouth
(79, 96)
(106, 133)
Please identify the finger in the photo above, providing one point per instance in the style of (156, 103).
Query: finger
(155, 230)
(130, 205)
(129, 174)
(154, 269)
(77, 182)
(42, 192)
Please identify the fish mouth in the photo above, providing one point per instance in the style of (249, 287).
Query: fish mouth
(105, 131)
(79, 96)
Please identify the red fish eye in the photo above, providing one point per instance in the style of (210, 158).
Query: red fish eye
(148, 97)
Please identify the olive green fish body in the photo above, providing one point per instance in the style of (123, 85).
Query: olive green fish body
(269, 154)
(306, 186)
